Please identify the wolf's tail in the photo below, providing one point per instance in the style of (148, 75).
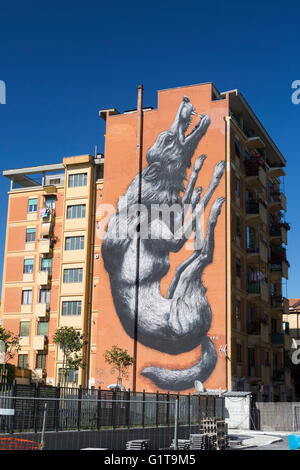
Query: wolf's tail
(183, 379)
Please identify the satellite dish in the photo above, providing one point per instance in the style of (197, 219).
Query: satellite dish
(198, 386)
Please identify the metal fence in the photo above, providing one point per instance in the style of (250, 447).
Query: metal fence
(90, 409)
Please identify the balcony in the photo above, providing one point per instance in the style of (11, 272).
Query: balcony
(277, 202)
(43, 278)
(255, 211)
(255, 143)
(258, 290)
(280, 303)
(276, 172)
(255, 173)
(47, 215)
(277, 338)
(279, 269)
(257, 254)
(45, 246)
(278, 234)
(41, 310)
(39, 342)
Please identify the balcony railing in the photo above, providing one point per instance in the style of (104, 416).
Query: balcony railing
(256, 210)
(279, 269)
(259, 289)
(277, 201)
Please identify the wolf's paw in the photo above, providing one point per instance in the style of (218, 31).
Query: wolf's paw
(219, 170)
(216, 208)
(196, 196)
(199, 162)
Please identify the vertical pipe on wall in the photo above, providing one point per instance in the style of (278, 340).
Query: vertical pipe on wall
(139, 156)
(228, 256)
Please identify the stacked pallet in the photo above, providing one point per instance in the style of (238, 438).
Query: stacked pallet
(218, 429)
(199, 441)
(182, 444)
(138, 444)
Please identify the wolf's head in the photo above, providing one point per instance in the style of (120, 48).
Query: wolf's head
(173, 149)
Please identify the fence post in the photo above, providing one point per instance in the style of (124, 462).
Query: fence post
(79, 407)
(113, 405)
(36, 407)
(168, 409)
(99, 409)
(14, 405)
(176, 422)
(189, 411)
(128, 409)
(56, 408)
(156, 411)
(144, 409)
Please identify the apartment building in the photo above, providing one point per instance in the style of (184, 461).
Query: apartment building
(46, 278)
(58, 271)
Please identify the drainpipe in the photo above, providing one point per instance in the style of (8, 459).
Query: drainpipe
(228, 256)
(139, 157)
(91, 272)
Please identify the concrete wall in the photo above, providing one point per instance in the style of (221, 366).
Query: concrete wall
(281, 416)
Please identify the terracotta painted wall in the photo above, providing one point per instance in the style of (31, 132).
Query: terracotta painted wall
(121, 167)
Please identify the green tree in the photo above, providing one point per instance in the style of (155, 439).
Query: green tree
(9, 346)
(120, 360)
(71, 343)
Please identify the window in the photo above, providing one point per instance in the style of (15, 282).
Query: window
(32, 205)
(30, 235)
(45, 296)
(23, 361)
(40, 361)
(27, 297)
(250, 239)
(238, 267)
(50, 202)
(76, 212)
(28, 266)
(73, 275)
(79, 179)
(67, 376)
(237, 147)
(24, 328)
(71, 308)
(42, 329)
(46, 264)
(238, 226)
(74, 243)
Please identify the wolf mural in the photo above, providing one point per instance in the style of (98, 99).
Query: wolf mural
(180, 321)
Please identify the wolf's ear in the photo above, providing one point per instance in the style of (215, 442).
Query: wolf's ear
(152, 172)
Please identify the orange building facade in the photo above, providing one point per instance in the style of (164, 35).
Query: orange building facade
(199, 306)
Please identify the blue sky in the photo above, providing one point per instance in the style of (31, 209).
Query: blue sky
(63, 60)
